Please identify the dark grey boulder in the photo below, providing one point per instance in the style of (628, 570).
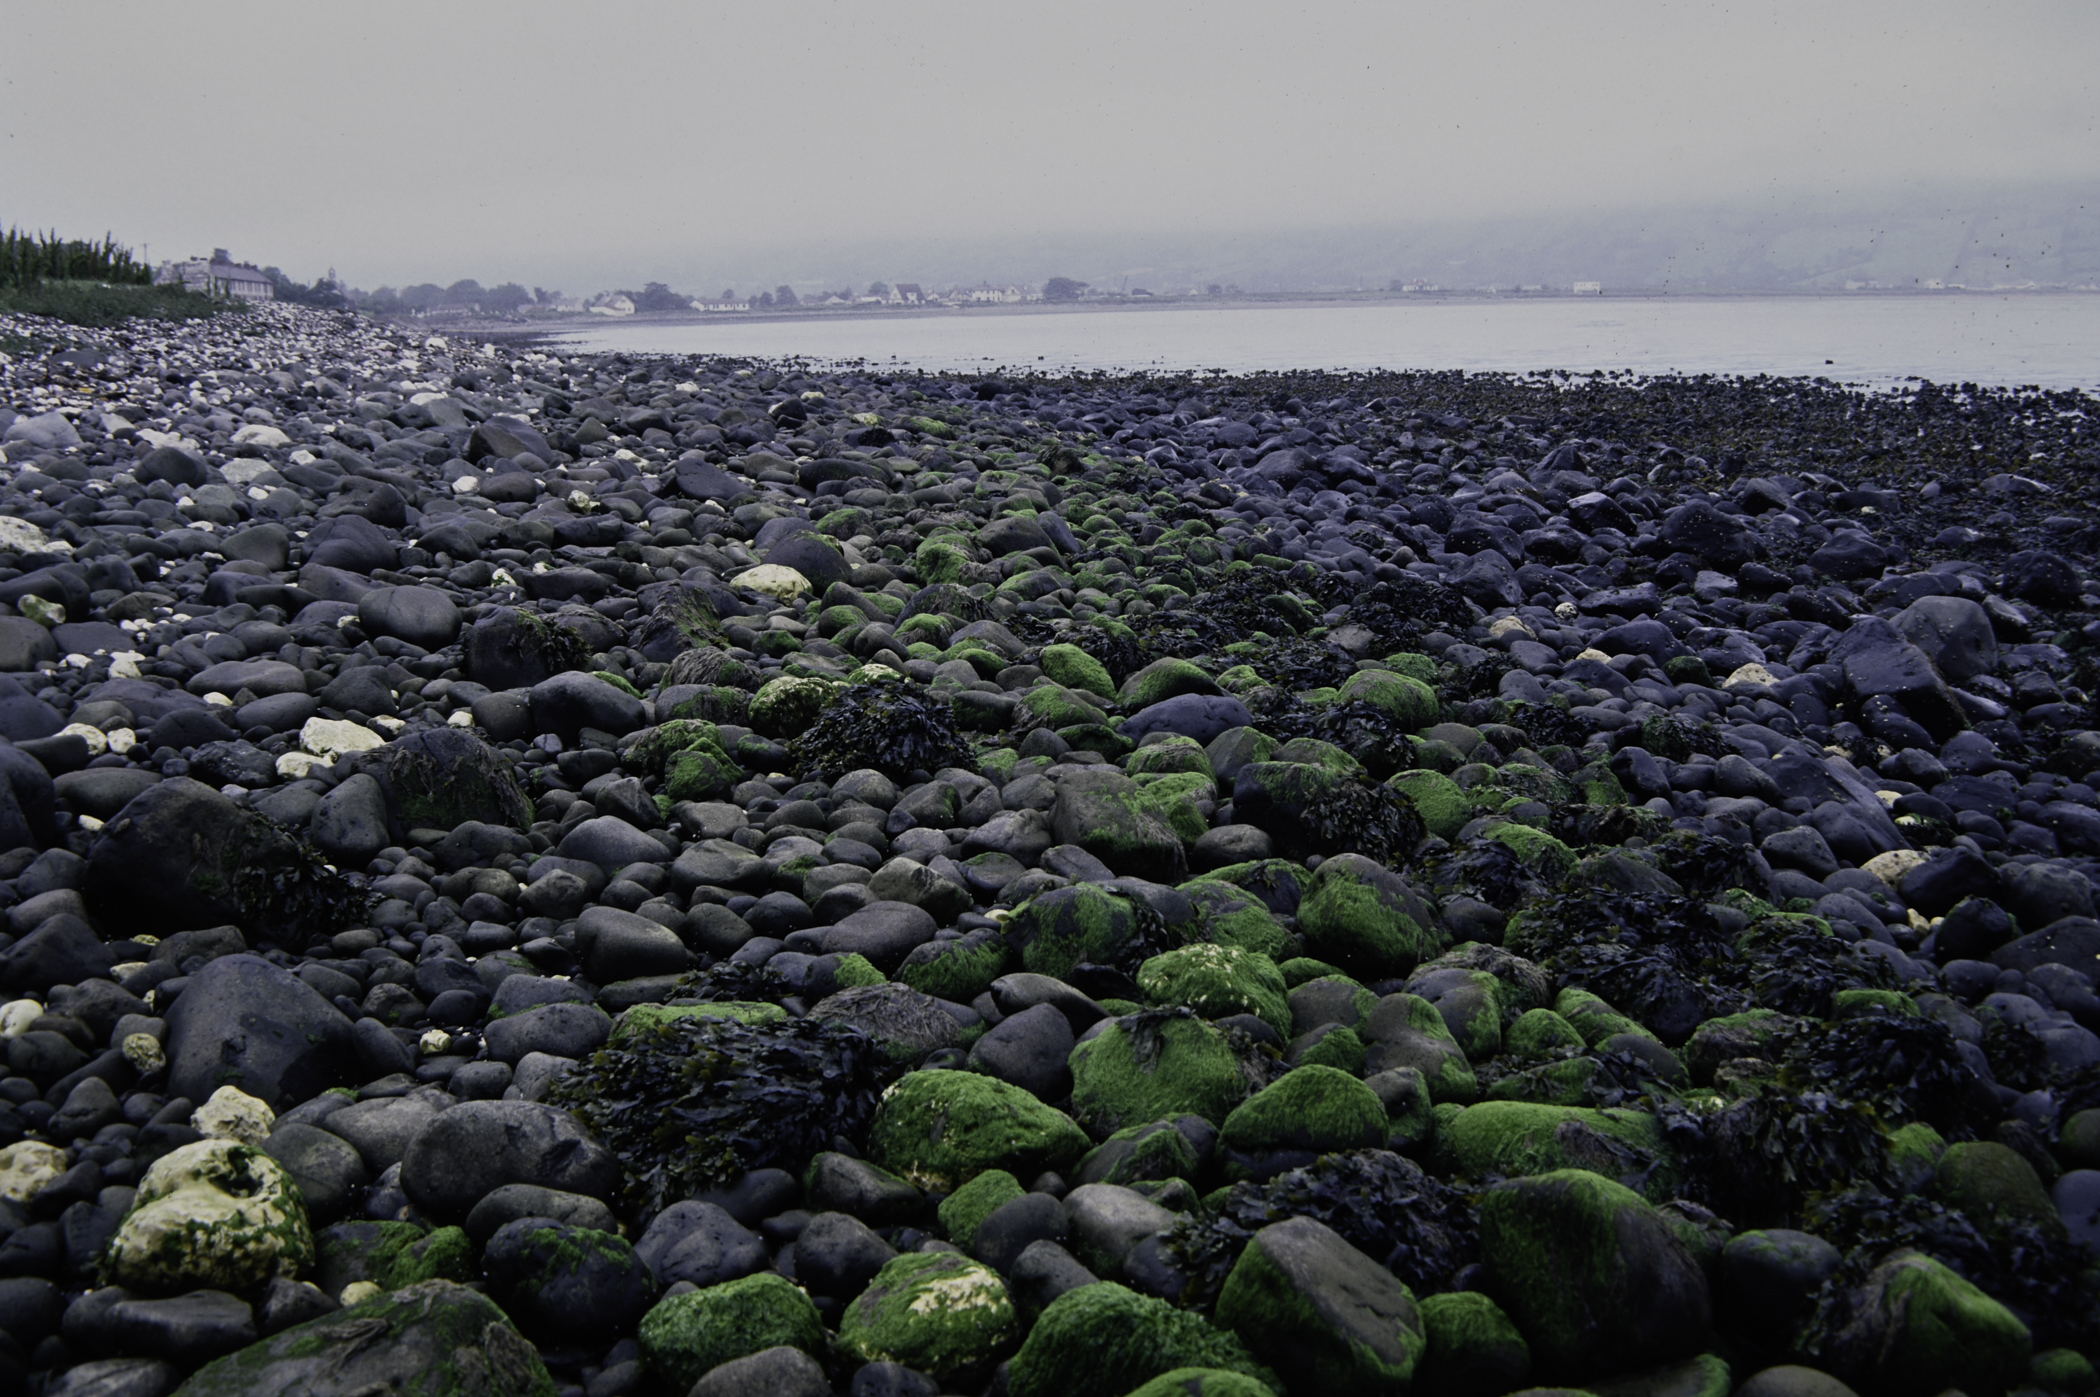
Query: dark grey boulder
(564, 1283)
(1203, 717)
(422, 616)
(479, 1146)
(244, 1022)
(568, 703)
(700, 1242)
(352, 544)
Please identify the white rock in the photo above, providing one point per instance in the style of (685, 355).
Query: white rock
(297, 766)
(232, 1114)
(213, 1214)
(17, 1015)
(257, 434)
(333, 737)
(1750, 674)
(1891, 867)
(27, 1168)
(783, 583)
(243, 470)
(144, 1053)
(96, 739)
(21, 536)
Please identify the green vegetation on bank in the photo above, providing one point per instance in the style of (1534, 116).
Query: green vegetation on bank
(88, 283)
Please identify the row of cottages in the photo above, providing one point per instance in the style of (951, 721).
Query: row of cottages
(986, 294)
(218, 275)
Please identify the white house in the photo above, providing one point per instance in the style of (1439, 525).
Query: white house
(1589, 288)
(720, 307)
(612, 303)
(218, 275)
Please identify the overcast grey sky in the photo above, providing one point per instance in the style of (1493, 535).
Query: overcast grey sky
(585, 146)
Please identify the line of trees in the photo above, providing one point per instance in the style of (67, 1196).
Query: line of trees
(29, 258)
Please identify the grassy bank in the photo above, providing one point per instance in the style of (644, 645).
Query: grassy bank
(97, 303)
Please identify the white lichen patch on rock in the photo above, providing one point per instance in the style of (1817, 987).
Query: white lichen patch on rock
(26, 1169)
(214, 1214)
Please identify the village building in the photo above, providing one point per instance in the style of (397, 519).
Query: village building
(218, 275)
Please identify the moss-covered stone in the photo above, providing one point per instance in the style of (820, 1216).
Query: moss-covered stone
(961, 1211)
(1076, 669)
(1103, 1340)
(940, 560)
(1995, 1186)
(1311, 1110)
(855, 970)
(1538, 850)
(213, 1214)
(1217, 981)
(1729, 1036)
(1596, 1279)
(1594, 1019)
(391, 1255)
(1918, 1328)
(1475, 1350)
(430, 1338)
(1313, 751)
(1405, 1030)
(1202, 1382)
(1164, 679)
(940, 1128)
(1330, 1045)
(942, 1314)
(1175, 755)
(1864, 1003)
(2063, 1370)
(1054, 706)
(1143, 1153)
(1512, 1138)
(1915, 1151)
(1148, 1067)
(786, 706)
(1232, 916)
(1058, 931)
(1410, 702)
(1311, 1305)
(1540, 1033)
(1177, 799)
(1365, 918)
(700, 773)
(646, 1016)
(1442, 803)
(683, 1336)
(958, 970)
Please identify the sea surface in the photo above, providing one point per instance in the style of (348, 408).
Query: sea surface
(2052, 340)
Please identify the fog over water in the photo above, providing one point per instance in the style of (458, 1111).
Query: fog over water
(2050, 340)
(716, 146)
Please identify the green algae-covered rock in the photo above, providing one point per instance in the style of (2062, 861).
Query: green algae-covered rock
(1538, 850)
(1596, 1279)
(683, 1336)
(940, 560)
(1995, 1186)
(1313, 751)
(1117, 821)
(940, 1128)
(1076, 669)
(1178, 799)
(1918, 1328)
(1329, 1045)
(1405, 1030)
(1202, 1382)
(647, 1016)
(433, 1337)
(391, 1255)
(1150, 1066)
(1511, 1138)
(1162, 680)
(1410, 703)
(1169, 754)
(1540, 1033)
(942, 1314)
(1729, 1036)
(1176, 1149)
(1103, 1340)
(1475, 1350)
(1311, 1305)
(786, 706)
(1067, 926)
(958, 970)
(1365, 918)
(213, 1214)
(1232, 916)
(1307, 1112)
(1217, 981)
(962, 1211)
(1594, 1019)
(1441, 802)
(855, 971)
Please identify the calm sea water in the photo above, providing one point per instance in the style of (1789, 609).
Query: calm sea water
(2052, 340)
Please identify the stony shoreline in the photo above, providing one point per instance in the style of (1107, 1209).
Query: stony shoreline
(545, 872)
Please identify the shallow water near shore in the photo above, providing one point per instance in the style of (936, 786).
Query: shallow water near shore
(1991, 338)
